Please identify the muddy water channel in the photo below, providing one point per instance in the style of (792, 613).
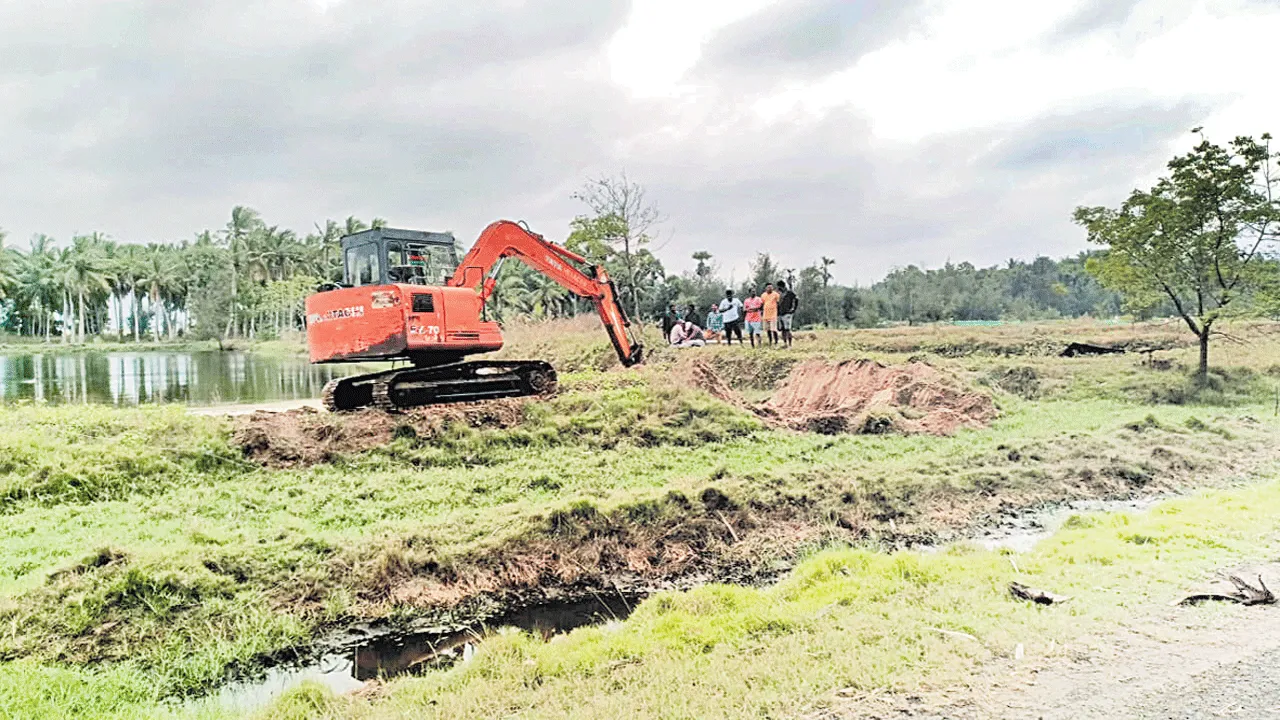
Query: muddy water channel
(361, 655)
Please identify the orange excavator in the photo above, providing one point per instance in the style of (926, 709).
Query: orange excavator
(404, 296)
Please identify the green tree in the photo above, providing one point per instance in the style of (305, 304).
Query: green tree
(86, 273)
(243, 223)
(596, 239)
(705, 269)
(354, 225)
(826, 264)
(40, 285)
(9, 266)
(763, 271)
(160, 275)
(624, 218)
(1197, 238)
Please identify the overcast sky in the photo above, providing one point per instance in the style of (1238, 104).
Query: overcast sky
(876, 132)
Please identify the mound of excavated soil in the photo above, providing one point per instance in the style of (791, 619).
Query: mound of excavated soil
(299, 438)
(865, 396)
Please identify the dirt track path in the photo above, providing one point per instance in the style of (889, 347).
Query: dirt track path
(1209, 662)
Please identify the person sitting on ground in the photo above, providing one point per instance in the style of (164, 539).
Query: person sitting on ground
(669, 320)
(787, 306)
(715, 324)
(752, 307)
(731, 312)
(686, 334)
(770, 299)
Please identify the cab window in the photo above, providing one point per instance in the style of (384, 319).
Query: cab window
(432, 262)
(362, 265)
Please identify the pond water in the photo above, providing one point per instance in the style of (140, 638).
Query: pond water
(128, 378)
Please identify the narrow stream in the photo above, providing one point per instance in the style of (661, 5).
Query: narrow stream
(369, 655)
(1024, 531)
(381, 655)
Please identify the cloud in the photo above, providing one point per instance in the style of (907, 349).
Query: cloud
(1093, 16)
(875, 133)
(804, 37)
(386, 106)
(982, 195)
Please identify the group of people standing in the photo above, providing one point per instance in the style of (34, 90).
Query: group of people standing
(767, 316)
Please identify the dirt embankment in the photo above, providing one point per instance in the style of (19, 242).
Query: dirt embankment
(854, 396)
(734, 530)
(300, 438)
(866, 396)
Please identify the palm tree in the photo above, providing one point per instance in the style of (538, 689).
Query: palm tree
(110, 251)
(242, 224)
(511, 290)
(541, 292)
(85, 273)
(354, 225)
(160, 275)
(9, 264)
(130, 266)
(324, 251)
(39, 285)
(274, 255)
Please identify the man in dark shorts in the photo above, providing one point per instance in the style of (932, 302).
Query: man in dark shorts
(731, 311)
(787, 305)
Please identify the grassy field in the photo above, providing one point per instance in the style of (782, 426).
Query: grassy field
(144, 559)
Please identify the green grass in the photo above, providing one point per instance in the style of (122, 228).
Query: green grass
(844, 619)
(852, 619)
(208, 566)
(142, 558)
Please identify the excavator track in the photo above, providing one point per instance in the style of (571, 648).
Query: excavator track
(396, 390)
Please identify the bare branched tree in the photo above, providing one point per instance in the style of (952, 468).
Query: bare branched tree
(625, 202)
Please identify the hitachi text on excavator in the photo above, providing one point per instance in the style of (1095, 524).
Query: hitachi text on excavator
(404, 296)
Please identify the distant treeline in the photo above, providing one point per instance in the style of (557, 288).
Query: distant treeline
(250, 278)
(245, 279)
(1041, 289)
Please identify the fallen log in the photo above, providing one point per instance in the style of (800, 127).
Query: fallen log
(1039, 597)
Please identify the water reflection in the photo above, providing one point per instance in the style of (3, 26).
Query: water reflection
(129, 378)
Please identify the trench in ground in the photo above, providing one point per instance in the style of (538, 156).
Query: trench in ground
(354, 656)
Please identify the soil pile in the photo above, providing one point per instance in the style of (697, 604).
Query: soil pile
(299, 438)
(865, 396)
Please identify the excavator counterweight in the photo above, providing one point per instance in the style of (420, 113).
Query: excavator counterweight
(405, 297)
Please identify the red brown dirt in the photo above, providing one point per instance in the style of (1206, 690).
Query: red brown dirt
(698, 373)
(304, 437)
(866, 396)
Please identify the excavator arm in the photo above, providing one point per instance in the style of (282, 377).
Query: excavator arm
(505, 239)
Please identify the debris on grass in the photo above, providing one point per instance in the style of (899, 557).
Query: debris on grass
(1039, 597)
(1244, 593)
(1076, 349)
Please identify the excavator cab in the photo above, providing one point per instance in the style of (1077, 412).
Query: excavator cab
(385, 256)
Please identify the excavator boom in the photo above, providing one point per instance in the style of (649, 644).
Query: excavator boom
(505, 239)
(384, 310)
